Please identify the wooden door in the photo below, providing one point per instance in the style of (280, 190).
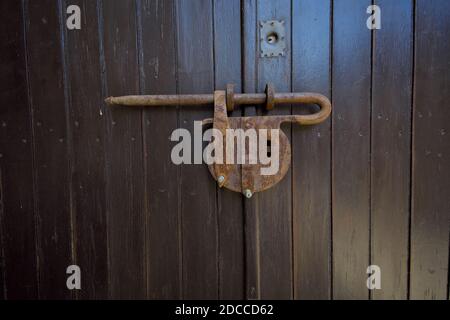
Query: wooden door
(85, 184)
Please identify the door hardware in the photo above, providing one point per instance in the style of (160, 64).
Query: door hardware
(245, 178)
(272, 38)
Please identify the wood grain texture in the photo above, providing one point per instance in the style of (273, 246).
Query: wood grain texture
(351, 82)
(158, 75)
(51, 147)
(17, 220)
(275, 205)
(124, 154)
(431, 153)
(227, 68)
(390, 157)
(88, 125)
(311, 158)
(198, 199)
(251, 212)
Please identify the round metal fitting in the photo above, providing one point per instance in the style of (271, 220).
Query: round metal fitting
(248, 194)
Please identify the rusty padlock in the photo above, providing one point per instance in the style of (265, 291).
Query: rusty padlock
(243, 177)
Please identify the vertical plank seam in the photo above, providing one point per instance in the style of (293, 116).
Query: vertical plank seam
(216, 198)
(250, 210)
(242, 113)
(69, 138)
(217, 191)
(107, 129)
(256, 62)
(33, 143)
(331, 150)
(330, 71)
(372, 60)
(255, 212)
(179, 173)
(243, 84)
(412, 125)
(291, 47)
(144, 266)
(2, 241)
(141, 84)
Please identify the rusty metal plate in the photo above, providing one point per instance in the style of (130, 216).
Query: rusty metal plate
(247, 176)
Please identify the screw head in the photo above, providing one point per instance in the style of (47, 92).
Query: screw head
(220, 179)
(247, 193)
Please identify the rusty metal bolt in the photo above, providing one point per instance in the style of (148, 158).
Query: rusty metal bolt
(230, 97)
(248, 194)
(270, 96)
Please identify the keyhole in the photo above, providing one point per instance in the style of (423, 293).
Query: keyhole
(269, 149)
(272, 38)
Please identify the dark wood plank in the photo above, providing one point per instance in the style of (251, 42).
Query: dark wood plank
(88, 137)
(2, 244)
(198, 197)
(158, 76)
(311, 159)
(431, 152)
(227, 58)
(17, 221)
(275, 207)
(267, 216)
(351, 81)
(390, 156)
(51, 147)
(251, 212)
(124, 154)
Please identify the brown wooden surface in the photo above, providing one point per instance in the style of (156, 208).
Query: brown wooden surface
(311, 174)
(52, 146)
(391, 148)
(351, 68)
(17, 213)
(88, 136)
(430, 153)
(157, 36)
(125, 187)
(83, 183)
(199, 197)
(227, 68)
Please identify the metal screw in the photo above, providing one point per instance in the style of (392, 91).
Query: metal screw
(247, 193)
(220, 179)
